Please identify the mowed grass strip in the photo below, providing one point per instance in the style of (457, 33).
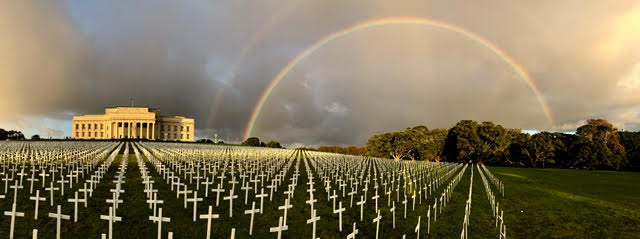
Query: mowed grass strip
(564, 203)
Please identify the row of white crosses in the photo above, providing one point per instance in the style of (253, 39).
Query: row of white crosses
(324, 165)
(272, 172)
(169, 174)
(112, 215)
(77, 170)
(151, 193)
(496, 182)
(495, 205)
(329, 176)
(268, 173)
(467, 211)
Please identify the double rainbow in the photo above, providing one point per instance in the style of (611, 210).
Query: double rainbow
(394, 21)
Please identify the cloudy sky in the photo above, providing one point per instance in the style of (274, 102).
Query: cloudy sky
(212, 60)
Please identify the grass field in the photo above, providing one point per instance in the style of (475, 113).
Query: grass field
(563, 203)
(538, 203)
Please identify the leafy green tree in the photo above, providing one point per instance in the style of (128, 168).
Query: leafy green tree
(463, 143)
(631, 143)
(35, 137)
(274, 144)
(540, 148)
(601, 139)
(252, 141)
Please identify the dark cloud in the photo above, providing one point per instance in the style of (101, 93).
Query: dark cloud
(213, 59)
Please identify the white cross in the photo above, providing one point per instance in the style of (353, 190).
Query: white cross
(209, 216)
(417, 230)
(114, 201)
(313, 220)
(311, 200)
(31, 180)
(13, 215)
(285, 207)
(353, 234)
(62, 182)
(252, 212)
(334, 196)
(218, 191)
(51, 189)
(85, 190)
(361, 204)
(37, 198)
(230, 198)
(376, 198)
(435, 210)
(262, 195)
(111, 218)
(15, 190)
(195, 201)
(279, 228)
(206, 186)
(186, 194)
(377, 221)
(429, 220)
(75, 202)
(246, 192)
(405, 206)
(153, 203)
(339, 211)
(159, 219)
(393, 211)
(59, 216)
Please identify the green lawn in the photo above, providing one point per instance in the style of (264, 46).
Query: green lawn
(564, 203)
(539, 203)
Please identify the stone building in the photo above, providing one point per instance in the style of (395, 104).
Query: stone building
(133, 123)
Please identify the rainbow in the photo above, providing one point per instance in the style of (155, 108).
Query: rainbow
(239, 59)
(393, 21)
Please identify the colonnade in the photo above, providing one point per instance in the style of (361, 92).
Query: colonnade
(133, 130)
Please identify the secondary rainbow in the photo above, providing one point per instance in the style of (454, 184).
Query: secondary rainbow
(393, 21)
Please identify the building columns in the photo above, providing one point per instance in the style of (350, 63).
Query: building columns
(140, 135)
(153, 128)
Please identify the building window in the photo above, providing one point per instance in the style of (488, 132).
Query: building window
(82, 126)
(77, 134)
(187, 136)
(175, 136)
(181, 128)
(101, 134)
(95, 126)
(77, 126)
(175, 128)
(101, 126)
(83, 134)
(119, 124)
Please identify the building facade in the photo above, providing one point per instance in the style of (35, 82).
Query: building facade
(133, 123)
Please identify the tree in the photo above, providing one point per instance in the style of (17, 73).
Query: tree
(35, 137)
(252, 141)
(598, 146)
(463, 143)
(631, 143)
(274, 144)
(539, 149)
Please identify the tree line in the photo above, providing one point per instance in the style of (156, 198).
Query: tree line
(11, 135)
(255, 142)
(595, 145)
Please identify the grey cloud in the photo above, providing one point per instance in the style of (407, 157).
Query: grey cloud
(58, 58)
